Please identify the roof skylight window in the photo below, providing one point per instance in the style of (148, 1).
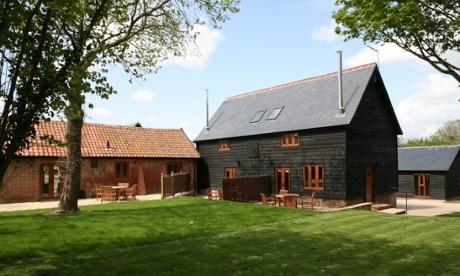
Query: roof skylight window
(258, 116)
(275, 113)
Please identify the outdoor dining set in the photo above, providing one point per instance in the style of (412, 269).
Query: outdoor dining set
(283, 198)
(288, 200)
(121, 191)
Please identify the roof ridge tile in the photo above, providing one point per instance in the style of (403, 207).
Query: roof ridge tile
(298, 82)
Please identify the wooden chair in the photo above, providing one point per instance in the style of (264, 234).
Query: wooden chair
(281, 199)
(130, 193)
(284, 192)
(267, 200)
(107, 194)
(97, 188)
(307, 201)
(211, 194)
(122, 193)
(290, 201)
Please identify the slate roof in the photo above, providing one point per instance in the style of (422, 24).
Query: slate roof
(124, 141)
(307, 104)
(436, 158)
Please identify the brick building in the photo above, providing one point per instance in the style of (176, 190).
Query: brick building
(110, 154)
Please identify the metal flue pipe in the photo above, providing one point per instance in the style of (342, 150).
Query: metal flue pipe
(339, 74)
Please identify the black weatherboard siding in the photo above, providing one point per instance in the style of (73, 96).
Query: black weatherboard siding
(441, 164)
(365, 135)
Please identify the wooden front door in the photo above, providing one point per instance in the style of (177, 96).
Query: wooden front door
(50, 181)
(370, 184)
(421, 183)
(282, 179)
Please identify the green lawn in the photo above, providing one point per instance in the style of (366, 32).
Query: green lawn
(194, 236)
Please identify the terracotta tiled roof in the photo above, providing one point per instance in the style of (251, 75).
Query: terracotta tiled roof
(124, 141)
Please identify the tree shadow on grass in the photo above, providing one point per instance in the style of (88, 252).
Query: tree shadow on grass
(324, 244)
(27, 235)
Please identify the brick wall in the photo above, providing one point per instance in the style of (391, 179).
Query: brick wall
(22, 180)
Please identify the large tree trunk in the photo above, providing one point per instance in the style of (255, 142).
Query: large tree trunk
(69, 196)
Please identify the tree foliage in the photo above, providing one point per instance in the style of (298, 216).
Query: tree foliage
(84, 38)
(428, 29)
(450, 131)
(448, 134)
(28, 73)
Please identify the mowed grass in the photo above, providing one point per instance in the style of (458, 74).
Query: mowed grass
(194, 236)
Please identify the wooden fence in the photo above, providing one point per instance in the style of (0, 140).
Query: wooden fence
(245, 188)
(176, 183)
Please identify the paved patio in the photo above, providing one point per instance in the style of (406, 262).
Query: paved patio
(427, 207)
(54, 203)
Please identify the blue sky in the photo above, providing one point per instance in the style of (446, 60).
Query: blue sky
(266, 45)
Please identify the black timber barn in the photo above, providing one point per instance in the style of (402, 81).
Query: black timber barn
(309, 135)
(430, 172)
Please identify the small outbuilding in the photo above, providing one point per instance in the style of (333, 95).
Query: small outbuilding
(110, 154)
(430, 172)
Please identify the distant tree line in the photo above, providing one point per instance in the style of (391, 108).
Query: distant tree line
(448, 134)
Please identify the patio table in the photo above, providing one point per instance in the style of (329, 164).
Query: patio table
(118, 191)
(279, 197)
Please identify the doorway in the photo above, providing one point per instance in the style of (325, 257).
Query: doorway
(421, 183)
(370, 184)
(230, 172)
(50, 181)
(282, 179)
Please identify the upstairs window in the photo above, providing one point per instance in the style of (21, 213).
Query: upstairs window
(313, 177)
(275, 113)
(224, 145)
(290, 140)
(258, 116)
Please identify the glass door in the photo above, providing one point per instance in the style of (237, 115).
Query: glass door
(230, 172)
(282, 179)
(50, 181)
(421, 182)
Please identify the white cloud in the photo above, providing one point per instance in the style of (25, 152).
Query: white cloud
(103, 113)
(143, 95)
(198, 54)
(326, 32)
(387, 53)
(390, 53)
(184, 125)
(452, 57)
(433, 104)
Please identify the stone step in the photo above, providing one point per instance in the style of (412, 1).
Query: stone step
(394, 211)
(378, 207)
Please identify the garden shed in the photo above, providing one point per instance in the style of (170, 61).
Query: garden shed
(335, 134)
(430, 172)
